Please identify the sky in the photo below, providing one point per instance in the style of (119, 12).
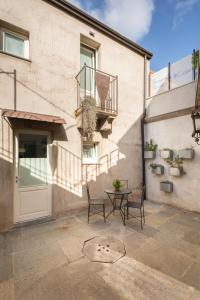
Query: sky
(170, 29)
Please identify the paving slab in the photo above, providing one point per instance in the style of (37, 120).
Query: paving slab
(6, 267)
(45, 261)
(7, 291)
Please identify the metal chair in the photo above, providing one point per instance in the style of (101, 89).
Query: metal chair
(138, 203)
(97, 204)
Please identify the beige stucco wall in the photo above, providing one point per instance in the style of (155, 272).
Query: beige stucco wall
(177, 99)
(47, 85)
(175, 134)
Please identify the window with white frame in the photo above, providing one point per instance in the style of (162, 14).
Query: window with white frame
(89, 153)
(14, 43)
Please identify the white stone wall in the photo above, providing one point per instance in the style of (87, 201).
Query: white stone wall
(175, 134)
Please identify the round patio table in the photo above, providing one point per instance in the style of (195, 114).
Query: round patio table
(113, 197)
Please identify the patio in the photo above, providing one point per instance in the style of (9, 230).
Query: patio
(45, 261)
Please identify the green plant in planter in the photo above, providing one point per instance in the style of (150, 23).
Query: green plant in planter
(117, 185)
(153, 167)
(176, 162)
(150, 146)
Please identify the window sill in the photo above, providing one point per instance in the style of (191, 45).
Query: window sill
(15, 56)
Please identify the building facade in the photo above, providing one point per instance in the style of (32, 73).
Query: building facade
(53, 57)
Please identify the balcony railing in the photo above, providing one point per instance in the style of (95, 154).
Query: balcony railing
(100, 86)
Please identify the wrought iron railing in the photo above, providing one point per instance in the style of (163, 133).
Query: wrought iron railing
(100, 86)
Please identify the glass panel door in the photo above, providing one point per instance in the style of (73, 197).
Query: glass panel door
(33, 164)
(87, 77)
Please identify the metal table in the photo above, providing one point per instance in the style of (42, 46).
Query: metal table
(114, 196)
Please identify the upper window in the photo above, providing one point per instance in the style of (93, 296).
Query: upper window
(14, 43)
(87, 56)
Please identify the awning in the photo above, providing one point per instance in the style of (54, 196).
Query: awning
(32, 116)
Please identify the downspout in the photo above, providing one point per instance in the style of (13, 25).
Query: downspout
(142, 125)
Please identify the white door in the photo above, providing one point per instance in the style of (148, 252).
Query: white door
(33, 176)
(87, 57)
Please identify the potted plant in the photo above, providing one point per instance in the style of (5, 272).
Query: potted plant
(166, 186)
(176, 166)
(117, 185)
(187, 153)
(156, 169)
(150, 150)
(166, 153)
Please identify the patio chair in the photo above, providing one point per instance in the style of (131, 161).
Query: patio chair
(137, 203)
(95, 206)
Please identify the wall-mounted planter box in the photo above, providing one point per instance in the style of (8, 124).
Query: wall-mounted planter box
(159, 170)
(166, 186)
(166, 154)
(186, 153)
(149, 154)
(175, 172)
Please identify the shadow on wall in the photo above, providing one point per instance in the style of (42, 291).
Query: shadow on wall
(68, 172)
(6, 178)
(6, 190)
(38, 95)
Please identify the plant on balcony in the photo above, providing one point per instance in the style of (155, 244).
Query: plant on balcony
(176, 166)
(150, 149)
(89, 117)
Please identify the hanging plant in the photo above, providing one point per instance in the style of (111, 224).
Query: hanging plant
(89, 117)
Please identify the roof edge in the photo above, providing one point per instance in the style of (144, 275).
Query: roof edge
(86, 18)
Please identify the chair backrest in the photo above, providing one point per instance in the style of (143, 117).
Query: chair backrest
(88, 193)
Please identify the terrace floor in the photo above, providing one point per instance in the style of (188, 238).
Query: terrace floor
(45, 261)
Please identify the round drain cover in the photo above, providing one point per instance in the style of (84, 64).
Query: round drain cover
(103, 249)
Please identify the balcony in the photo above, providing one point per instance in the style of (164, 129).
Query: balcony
(99, 86)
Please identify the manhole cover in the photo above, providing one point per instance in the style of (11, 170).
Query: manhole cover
(103, 249)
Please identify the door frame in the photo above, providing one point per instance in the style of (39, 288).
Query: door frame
(16, 160)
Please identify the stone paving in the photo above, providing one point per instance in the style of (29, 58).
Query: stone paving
(45, 261)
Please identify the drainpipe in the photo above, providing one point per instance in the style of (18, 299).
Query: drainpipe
(142, 125)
